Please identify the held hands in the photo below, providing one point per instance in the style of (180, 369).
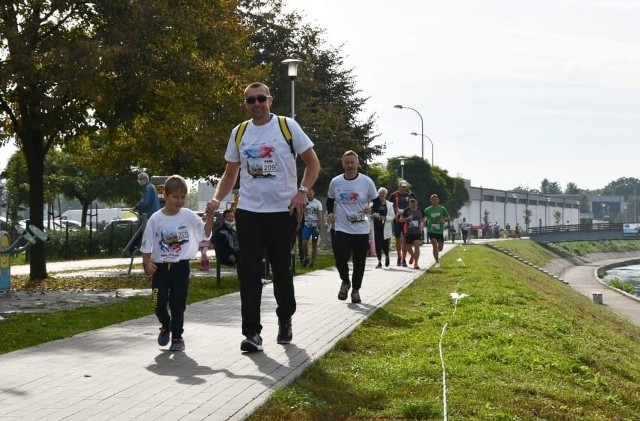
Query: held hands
(212, 206)
(149, 267)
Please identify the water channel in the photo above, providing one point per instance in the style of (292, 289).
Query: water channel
(626, 274)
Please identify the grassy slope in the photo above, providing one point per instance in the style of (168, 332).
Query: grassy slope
(520, 346)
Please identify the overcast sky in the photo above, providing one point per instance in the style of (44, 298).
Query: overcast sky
(510, 91)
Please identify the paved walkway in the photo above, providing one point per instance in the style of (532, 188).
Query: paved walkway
(119, 372)
(584, 279)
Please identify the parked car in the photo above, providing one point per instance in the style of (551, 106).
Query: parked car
(63, 225)
(128, 223)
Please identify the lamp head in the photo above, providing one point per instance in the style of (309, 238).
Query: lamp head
(398, 106)
(292, 66)
(413, 134)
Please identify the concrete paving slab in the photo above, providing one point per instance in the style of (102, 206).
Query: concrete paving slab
(120, 372)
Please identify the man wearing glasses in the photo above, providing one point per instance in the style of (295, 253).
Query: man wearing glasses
(269, 209)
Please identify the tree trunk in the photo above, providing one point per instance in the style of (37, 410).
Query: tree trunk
(33, 149)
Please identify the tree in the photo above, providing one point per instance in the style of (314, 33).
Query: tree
(572, 188)
(527, 217)
(328, 103)
(133, 71)
(549, 187)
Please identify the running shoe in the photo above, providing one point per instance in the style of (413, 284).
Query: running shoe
(355, 296)
(285, 332)
(344, 291)
(164, 336)
(252, 343)
(177, 345)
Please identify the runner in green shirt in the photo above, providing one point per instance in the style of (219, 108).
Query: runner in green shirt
(436, 217)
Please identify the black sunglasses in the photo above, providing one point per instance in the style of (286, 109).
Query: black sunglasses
(259, 98)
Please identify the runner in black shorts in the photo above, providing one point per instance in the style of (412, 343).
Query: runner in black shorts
(436, 216)
(400, 200)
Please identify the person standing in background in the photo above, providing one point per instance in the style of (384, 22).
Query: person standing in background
(147, 206)
(348, 205)
(383, 216)
(150, 202)
(311, 229)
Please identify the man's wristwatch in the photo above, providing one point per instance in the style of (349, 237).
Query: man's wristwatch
(303, 189)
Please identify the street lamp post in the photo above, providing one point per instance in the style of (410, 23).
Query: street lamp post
(421, 126)
(515, 207)
(292, 72)
(402, 168)
(546, 206)
(635, 215)
(431, 141)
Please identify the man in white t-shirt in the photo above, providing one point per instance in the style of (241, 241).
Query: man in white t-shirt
(311, 229)
(269, 209)
(348, 206)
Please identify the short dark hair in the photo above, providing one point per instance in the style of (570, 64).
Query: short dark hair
(257, 85)
(174, 184)
(226, 212)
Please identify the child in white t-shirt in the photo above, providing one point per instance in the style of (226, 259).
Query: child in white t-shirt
(172, 237)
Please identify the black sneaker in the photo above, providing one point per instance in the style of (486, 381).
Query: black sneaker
(355, 296)
(285, 333)
(344, 291)
(251, 343)
(386, 261)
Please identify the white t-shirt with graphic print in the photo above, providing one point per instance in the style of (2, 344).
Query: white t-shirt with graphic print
(171, 238)
(351, 197)
(268, 178)
(311, 212)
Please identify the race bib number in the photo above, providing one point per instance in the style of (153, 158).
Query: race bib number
(311, 224)
(435, 226)
(262, 167)
(355, 216)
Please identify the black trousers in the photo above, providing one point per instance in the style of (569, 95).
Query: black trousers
(169, 285)
(346, 246)
(382, 245)
(275, 233)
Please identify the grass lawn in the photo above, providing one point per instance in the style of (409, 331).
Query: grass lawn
(520, 346)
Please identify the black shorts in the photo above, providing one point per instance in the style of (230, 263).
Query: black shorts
(397, 229)
(438, 237)
(410, 238)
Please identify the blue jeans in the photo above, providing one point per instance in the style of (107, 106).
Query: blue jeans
(275, 234)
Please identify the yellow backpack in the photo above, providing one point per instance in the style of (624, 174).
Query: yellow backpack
(284, 128)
